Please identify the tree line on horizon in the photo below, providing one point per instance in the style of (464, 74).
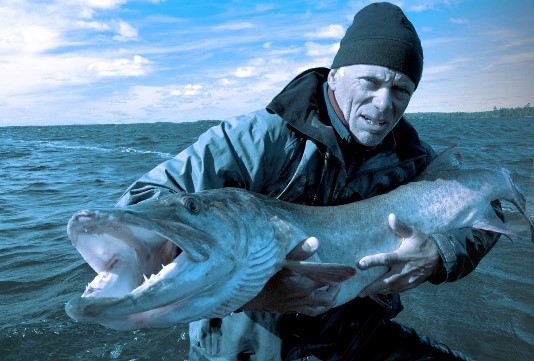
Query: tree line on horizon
(518, 112)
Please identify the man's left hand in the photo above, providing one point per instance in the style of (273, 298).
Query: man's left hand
(415, 260)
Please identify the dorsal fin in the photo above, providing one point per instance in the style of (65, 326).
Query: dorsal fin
(449, 159)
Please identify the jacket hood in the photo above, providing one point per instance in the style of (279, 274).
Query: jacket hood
(301, 104)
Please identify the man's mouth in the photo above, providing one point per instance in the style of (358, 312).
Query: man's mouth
(373, 121)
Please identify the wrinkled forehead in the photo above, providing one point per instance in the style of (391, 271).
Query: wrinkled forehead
(376, 71)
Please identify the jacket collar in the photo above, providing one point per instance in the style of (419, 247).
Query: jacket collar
(302, 104)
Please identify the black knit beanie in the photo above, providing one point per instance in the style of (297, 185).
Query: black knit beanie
(382, 35)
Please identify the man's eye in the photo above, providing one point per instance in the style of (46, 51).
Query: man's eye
(403, 91)
(370, 81)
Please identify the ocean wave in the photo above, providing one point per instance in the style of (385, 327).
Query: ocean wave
(100, 149)
(43, 145)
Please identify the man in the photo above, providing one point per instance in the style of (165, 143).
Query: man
(331, 137)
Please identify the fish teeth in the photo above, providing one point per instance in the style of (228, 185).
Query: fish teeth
(145, 277)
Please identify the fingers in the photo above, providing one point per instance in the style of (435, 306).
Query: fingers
(382, 285)
(397, 279)
(409, 265)
(379, 259)
(401, 229)
(210, 337)
(388, 284)
(304, 250)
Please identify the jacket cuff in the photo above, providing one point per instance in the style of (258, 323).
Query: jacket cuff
(448, 258)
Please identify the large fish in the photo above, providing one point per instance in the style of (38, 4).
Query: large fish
(208, 253)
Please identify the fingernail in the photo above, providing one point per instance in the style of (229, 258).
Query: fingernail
(311, 244)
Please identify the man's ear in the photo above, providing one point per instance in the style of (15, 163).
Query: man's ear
(332, 80)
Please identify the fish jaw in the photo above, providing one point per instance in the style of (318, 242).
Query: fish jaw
(181, 292)
(123, 247)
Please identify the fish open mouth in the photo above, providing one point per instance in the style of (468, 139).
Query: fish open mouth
(150, 270)
(125, 251)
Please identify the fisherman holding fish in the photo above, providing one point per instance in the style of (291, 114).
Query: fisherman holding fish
(330, 137)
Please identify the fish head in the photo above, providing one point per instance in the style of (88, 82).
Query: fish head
(172, 259)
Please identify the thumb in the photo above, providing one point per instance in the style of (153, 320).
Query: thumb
(304, 249)
(400, 228)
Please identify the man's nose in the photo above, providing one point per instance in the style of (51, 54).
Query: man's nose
(383, 100)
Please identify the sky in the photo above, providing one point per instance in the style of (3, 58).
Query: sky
(142, 61)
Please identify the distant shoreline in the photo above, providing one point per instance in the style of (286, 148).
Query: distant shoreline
(525, 112)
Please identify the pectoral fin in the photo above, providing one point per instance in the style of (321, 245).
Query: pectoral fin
(327, 273)
(492, 223)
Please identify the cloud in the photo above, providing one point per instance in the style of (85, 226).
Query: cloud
(458, 21)
(235, 26)
(188, 90)
(244, 72)
(524, 41)
(524, 57)
(31, 39)
(24, 29)
(420, 7)
(102, 4)
(88, 8)
(48, 45)
(125, 32)
(333, 31)
(137, 66)
(58, 55)
(314, 49)
(509, 38)
(95, 25)
(439, 41)
(449, 67)
(26, 74)
(425, 5)
(225, 81)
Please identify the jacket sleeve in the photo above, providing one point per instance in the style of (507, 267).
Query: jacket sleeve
(235, 153)
(461, 250)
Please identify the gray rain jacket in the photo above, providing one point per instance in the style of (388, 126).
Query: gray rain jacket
(292, 151)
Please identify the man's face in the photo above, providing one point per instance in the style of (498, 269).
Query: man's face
(372, 98)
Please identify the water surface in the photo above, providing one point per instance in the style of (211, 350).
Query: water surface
(48, 173)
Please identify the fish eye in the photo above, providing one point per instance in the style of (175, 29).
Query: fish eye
(191, 204)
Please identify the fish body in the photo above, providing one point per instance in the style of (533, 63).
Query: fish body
(211, 252)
